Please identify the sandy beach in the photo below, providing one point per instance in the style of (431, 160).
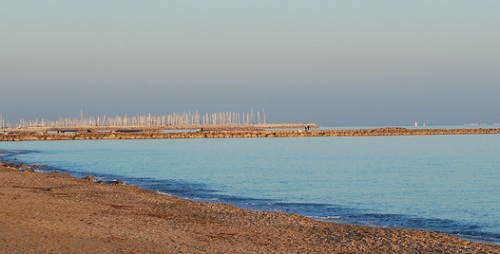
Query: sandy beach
(56, 213)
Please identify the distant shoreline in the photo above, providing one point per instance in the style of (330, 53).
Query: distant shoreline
(218, 131)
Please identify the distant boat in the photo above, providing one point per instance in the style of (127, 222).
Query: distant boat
(416, 123)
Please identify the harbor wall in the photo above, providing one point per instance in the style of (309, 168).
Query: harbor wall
(35, 136)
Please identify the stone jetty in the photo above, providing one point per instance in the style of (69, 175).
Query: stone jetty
(230, 131)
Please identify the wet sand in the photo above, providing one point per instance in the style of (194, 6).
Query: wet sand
(56, 213)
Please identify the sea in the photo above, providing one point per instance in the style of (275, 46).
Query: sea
(448, 184)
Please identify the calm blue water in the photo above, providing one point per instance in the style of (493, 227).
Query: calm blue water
(448, 184)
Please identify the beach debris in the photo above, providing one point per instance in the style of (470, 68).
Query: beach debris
(116, 182)
(93, 179)
(90, 178)
(9, 164)
(29, 170)
(20, 166)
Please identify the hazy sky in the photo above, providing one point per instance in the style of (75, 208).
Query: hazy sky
(335, 63)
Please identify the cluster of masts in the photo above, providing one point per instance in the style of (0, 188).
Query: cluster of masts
(186, 118)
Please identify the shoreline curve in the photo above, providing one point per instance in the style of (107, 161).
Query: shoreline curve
(53, 212)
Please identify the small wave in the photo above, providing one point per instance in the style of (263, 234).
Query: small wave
(476, 236)
(464, 230)
(326, 218)
(163, 193)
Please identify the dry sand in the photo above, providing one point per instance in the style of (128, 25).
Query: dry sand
(56, 213)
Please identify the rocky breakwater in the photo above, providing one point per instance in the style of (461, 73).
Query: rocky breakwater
(23, 136)
(236, 133)
(396, 131)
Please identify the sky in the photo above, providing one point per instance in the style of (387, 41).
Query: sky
(334, 63)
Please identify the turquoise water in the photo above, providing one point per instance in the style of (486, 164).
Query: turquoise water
(448, 184)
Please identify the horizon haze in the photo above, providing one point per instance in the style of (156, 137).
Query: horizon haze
(333, 63)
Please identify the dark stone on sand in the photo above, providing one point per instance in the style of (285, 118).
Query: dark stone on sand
(90, 178)
(116, 182)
